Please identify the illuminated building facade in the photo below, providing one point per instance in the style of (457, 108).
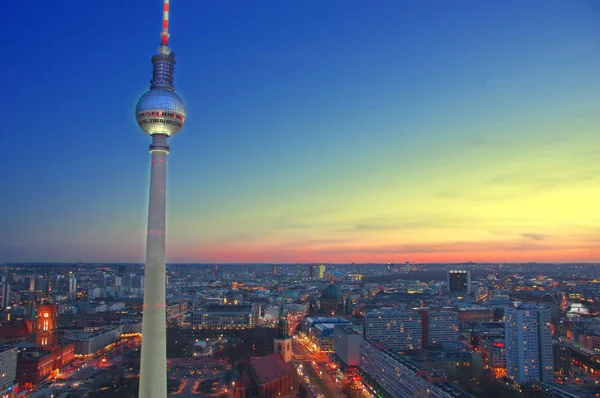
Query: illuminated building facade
(528, 344)
(47, 323)
(8, 368)
(224, 317)
(493, 352)
(459, 281)
(399, 330)
(442, 327)
(35, 365)
(398, 378)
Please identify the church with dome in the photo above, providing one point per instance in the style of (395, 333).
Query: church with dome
(332, 301)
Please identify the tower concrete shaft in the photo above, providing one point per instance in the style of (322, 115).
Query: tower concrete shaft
(153, 368)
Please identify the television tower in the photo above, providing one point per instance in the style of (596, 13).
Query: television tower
(161, 114)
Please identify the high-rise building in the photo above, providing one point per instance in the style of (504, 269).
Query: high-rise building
(5, 295)
(528, 344)
(8, 369)
(160, 112)
(459, 281)
(396, 376)
(274, 270)
(399, 330)
(72, 286)
(439, 327)
(346, 345)
(311, 271)
(321, 271)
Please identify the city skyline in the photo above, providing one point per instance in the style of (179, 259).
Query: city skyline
(333, 132)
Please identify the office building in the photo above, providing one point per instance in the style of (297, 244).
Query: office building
(396, 376)
(459, 281)
(91, 340)
(399, 330)
(72, 286)
(528, 344)
(321, 271)
(346, 345)
(439, 327)
(5, 295)
(8, 367)
(224, 317)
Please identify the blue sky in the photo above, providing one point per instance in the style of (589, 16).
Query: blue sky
(305, 120)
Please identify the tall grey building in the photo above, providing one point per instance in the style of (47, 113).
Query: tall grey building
(528, 344)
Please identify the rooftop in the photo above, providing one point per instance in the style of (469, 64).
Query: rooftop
(271, 367)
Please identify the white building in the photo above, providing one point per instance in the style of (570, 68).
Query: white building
(442, 327)
(8, 366)
(395, 376)
(399, 330)
(72, 286)
(528, 344)
(90, 340)
(346, 344)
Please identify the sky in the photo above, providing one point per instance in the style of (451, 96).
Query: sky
(317, 131)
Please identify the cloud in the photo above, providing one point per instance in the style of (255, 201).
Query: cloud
(533, 236)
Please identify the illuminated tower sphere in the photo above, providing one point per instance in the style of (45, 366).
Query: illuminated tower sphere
(160, 113)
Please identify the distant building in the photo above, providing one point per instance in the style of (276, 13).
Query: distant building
(528, 344)
(72, 286)
(563, 361)
(224, 317)
(332, 301)
(439, 327)
(397, 377)
(346, 345)
(47, 325)
(321, 271)
(90, 340)
(475, 313)
(493, 351)
(459, 281)
(34, 365)
(5, 295)
(8, 368)
(273, 375)
(399, 330)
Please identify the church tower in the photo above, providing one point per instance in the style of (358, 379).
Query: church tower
(283, 342)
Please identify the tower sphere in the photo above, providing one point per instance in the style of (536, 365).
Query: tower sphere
(160, 111)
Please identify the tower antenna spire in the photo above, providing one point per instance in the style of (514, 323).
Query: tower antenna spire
(164, 35)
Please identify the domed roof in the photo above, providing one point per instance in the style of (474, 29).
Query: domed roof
(160, 111)
(230, 297)
(332, 292)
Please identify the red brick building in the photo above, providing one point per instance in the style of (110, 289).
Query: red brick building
(37, 363)
(267, 377)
